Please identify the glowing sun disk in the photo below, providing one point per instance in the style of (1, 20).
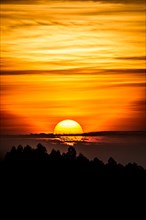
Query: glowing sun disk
(68, 127)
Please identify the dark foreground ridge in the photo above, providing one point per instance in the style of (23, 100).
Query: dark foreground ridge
(27, 171)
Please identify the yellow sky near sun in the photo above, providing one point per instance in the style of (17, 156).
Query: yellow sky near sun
(77, 60)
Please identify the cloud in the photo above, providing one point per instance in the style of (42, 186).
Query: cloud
(19, 1)
(47, 1)
(132, 58)
(120, 85)
(139, 105)
(126, 71)
(75, 71)
(136, 118)
(11, 123)
(59, 38)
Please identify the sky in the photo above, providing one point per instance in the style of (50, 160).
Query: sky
(79, 60)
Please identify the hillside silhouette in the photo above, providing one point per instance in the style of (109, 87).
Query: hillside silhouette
(33, 173)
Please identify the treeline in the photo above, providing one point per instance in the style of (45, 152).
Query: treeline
(33, 176)
(68, 163)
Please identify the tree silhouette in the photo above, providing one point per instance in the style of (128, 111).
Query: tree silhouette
(30, 162)
(71, 154)
(55, 155)
(41, 149)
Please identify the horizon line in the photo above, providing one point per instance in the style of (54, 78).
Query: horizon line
(76, 134)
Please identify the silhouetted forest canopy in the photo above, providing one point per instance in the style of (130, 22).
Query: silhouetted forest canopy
(67, 164)
(55, 178)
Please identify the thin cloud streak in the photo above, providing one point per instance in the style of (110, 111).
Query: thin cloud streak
(75, 71)
(48, 1)
(132, 58)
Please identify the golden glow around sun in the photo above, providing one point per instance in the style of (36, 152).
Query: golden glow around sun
(68, 127)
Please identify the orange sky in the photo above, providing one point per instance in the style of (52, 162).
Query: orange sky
(80, 60)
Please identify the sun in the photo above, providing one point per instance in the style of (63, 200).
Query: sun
(68, 127)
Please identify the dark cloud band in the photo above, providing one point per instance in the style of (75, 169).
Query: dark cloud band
(104, 1)
(75, 71)
(132, 58)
